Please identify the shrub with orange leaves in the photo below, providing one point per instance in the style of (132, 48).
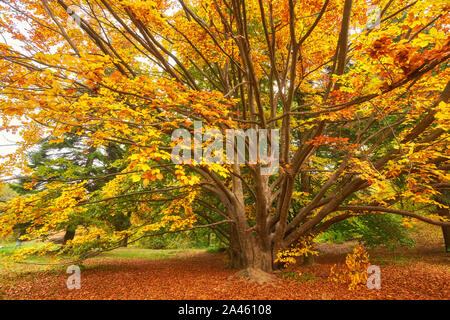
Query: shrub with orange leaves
(302, 248)
(354, 271)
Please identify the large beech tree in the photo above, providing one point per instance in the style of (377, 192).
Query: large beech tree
(357, 89)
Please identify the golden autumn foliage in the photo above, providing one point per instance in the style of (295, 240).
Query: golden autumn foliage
(362, 112)
(354, 271)
(302, 248)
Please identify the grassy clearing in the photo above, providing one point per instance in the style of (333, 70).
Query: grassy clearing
(32, 264)
(299, 277)
(138, 253)
(419, 273)
(404, 259)
(401, 259)
(37, 264)
(7, 248)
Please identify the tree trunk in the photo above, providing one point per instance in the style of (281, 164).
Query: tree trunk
(443, 212)
(255, 263)
(256, 259)
(249, 246)
(235, 253)
(124, 242)
(69, 235)
(446, 234)
(246, 253)
(308, 260)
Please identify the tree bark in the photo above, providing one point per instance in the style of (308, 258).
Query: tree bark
(125, 242)
(69, 235)
(245, 252)
(443, 212)
(308, 260)
(236, 256)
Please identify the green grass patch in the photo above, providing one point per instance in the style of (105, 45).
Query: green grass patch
(30, 264)
(401, 259)
(136, 253)
(302, 278)
(43, 263)
(7, 248)
(215, 249)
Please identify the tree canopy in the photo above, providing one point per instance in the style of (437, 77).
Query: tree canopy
(357, 89)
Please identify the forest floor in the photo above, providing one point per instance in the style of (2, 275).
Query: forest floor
(419, 273)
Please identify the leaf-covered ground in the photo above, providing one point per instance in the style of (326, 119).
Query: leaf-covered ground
(202, 275)
(129, 273)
